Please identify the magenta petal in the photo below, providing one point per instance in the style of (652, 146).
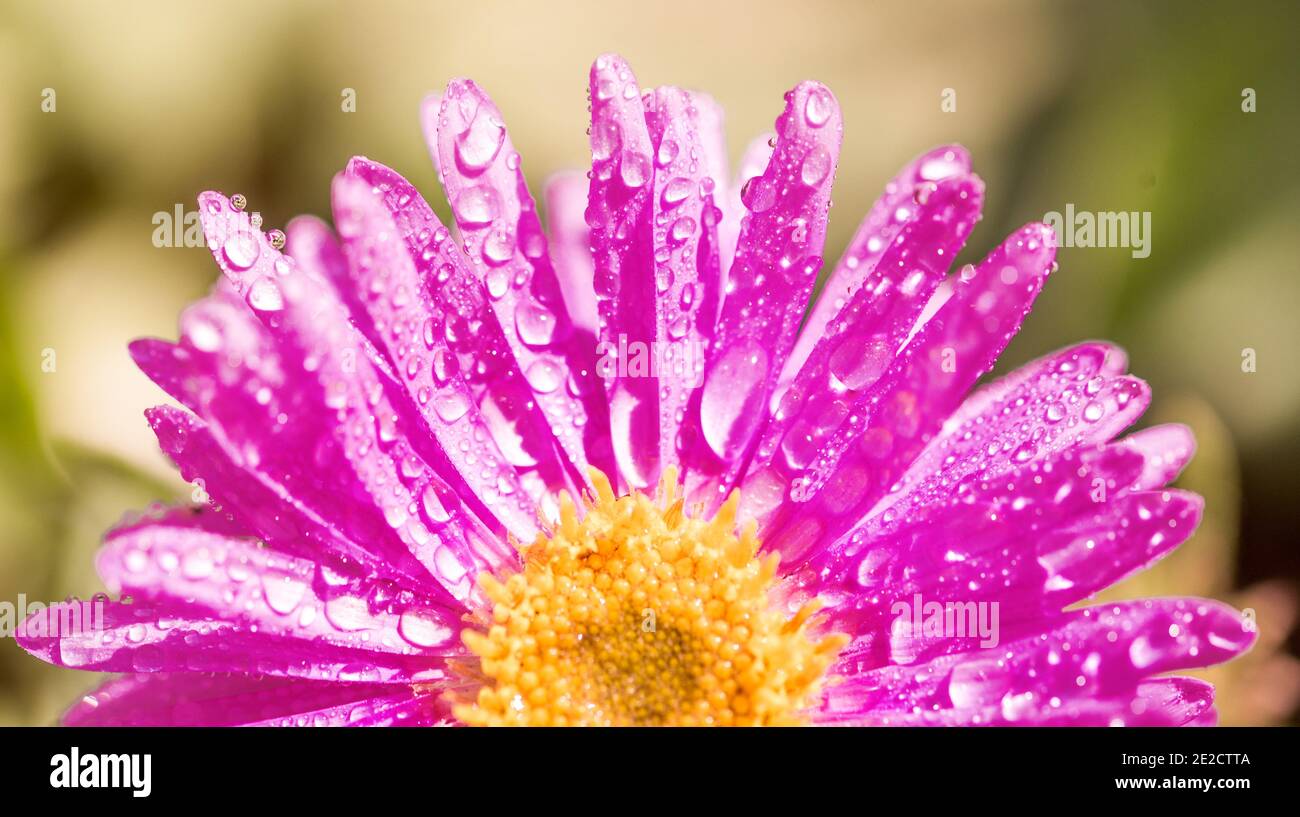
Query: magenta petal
(413, 333)
(620, 211)
(1166, 450)
(757, 156)
(430, 113)
(895, 208)
(1071, 397)
(1027, 562)
(863, 340)
(508, 252)
(1159, 702)
(430, 294)
(915, 535)
(166, 637)
(333, 379)
(172, 561)
(1095, 653)
(566, 204)
(894, 420)
(191, 699)
(267, 506)
(687, 278)
(778, 257)
(412, 710)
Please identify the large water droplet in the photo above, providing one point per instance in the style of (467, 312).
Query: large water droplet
(819, 106)
(534, 323)
(480, 143)
(265, 296)
(758, 195)
(675, 192)
(476, 206)
(241, 250)
(856, 365)
(422, 628)
(544, 376)
(283, 594)
(499, 246)
(634, 170)
(668, 150)
(731, 402)
(451, 407)
(816, 166)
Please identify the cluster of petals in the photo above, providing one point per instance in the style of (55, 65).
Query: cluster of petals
(380, 410)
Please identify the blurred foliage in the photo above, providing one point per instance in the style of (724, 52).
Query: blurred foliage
(1107, 105)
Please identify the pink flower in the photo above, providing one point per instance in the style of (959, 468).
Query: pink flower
(405, 434)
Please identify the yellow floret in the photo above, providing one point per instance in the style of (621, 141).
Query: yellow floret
(637, 614)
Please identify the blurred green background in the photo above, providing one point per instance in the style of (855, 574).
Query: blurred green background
(1109, 106)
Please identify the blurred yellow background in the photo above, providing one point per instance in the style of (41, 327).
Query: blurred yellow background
(1108, 106)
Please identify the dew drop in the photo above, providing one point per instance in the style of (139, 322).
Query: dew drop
(476, 207)
(241, 250)
(544, 376)
(816, 166)
(479, 144)
(818, 107)
(265, 296)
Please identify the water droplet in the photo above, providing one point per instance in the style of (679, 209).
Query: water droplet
(675, 192)
(668, 150)
(534, 323)
(241, 250)
(816, 166)
(422, 629)
(499, 246)
(818, 107)
(544, 376)
(682, 229)
(480, 143)
(476, 207)
(265, 296)
(732, 397)
(238, 202)
(856, 364)
(451, 407)
(758, 194)
(283, 594)
(634, 170)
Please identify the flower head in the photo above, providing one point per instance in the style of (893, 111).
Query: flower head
(618, 472)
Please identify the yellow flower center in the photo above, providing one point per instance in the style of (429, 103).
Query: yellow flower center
(639, 615)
